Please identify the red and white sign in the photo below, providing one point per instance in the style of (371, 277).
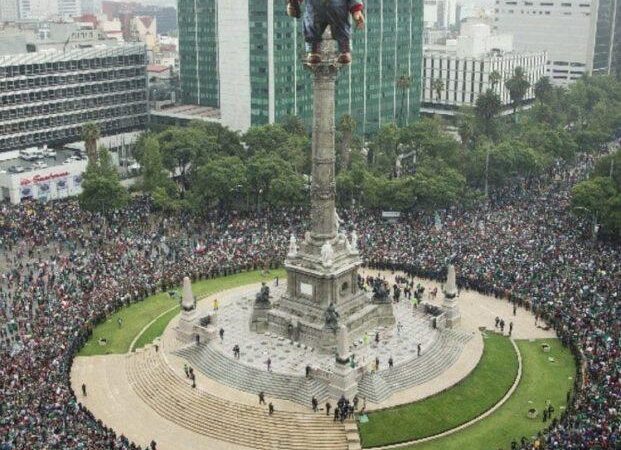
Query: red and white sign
(41, 178)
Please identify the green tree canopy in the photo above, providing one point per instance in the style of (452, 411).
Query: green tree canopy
(101, 188)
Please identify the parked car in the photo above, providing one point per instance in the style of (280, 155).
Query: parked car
(71, 159)
(39, 165)
(16, 169)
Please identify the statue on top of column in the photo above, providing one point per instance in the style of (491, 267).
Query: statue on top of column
(320, 14)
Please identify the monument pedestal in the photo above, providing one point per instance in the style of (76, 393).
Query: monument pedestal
(344, 382)
(259, 319)
(189, 317)
(313, 285)
(450, 306)
(185, 328)
(452, 313)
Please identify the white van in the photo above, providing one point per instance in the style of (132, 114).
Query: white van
(31, 154)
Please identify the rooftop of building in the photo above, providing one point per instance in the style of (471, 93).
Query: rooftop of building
(20, 38)
(10, 161)
(157, 68)
(190, 112)
(51, 55)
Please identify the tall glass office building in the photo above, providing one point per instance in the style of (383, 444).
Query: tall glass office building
(243, 57)
(607, 50)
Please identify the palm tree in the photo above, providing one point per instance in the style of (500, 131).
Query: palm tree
(90, 134)
(346, 126)
(517, 85)
(438, 86)
(404, 83)
(466, 128)
(494, 79)
(543, 89)
(487, 106)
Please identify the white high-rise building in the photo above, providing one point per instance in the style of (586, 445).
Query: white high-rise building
(464, 65)
(37, 9)
(69, 8)
(440, 13)
(566, 29)
(8, 11)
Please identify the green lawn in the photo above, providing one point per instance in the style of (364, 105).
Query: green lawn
(477, 393)
(541, 380)
(156, 328)
(138, 315)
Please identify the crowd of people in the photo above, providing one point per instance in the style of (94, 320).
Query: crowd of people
(64, 270)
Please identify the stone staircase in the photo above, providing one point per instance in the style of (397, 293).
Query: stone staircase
(227, 371)
(372, 386)
(377, 387)
(173, 398)
(459, 336)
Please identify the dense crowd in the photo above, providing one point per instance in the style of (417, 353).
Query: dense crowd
(63, 270)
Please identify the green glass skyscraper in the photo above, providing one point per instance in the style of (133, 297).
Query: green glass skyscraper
(607, 50)
(244, 57)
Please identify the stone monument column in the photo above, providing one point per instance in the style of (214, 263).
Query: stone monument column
(189, 317)
(451, 309)
(323, 188)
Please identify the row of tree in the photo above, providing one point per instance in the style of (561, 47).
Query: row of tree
(416, 166)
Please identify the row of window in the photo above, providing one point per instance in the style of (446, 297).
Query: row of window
(73, 65)
(41, 123)
(85, 77)
(72, 105)
(529, 3)
(75, 91)
(71, 133)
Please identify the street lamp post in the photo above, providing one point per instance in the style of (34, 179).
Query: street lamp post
(487, 175)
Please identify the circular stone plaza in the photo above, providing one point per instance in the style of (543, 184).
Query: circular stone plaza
(146, 394)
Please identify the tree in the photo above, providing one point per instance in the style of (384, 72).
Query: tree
(487, 107)
(518, 86)
(437, 186)
(222, 180)
(494, 79)
(274, 139)
(404, 83)
(610, 166)
(90, 134)
(261, 170)
(466, 127)
(543, 90)
(293, 125)
(153, 173)
(345, 129)
(287, 189)
(438, 86)
(383, 149)
(556, 142)
(428, 138)
(598, 199)
(180, 149)
(101, 188)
